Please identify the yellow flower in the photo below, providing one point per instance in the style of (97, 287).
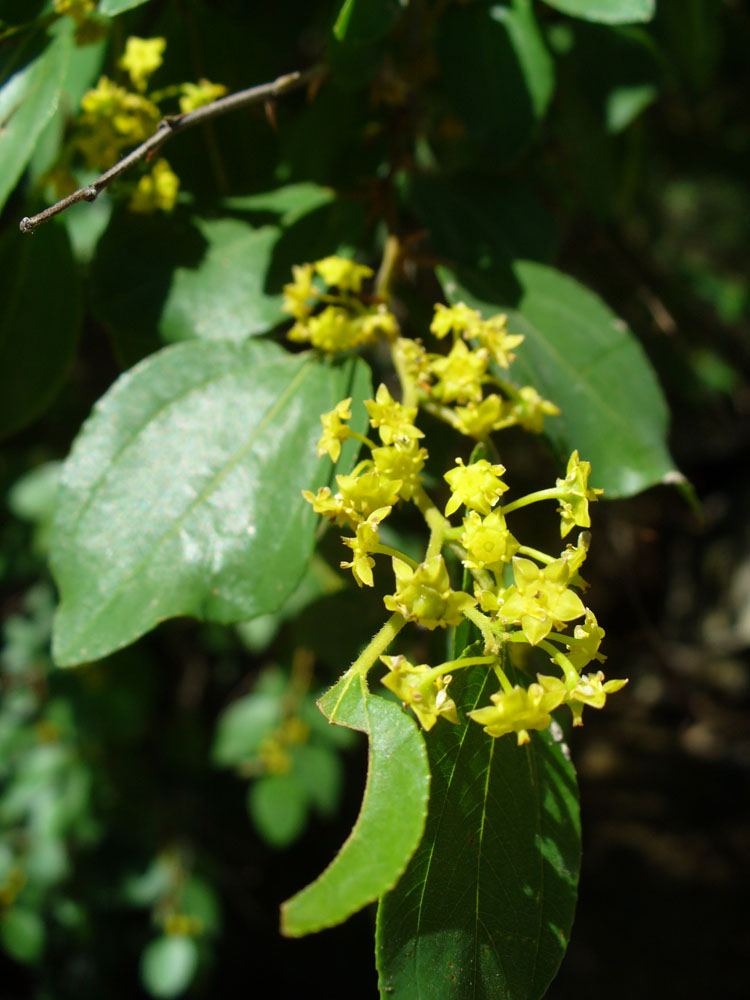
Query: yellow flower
(426, 696)
(156, 190)
(394, 420)
(424, 594)
(518, 711)
(402, 460)
(529, 410)
(365, 542)
(298, 291)
(334, 431)
(493, 335)
(141, 58)
(195, 95)
(411, 359)
(479, 420)
(459, 374)
(585, 643)
(540, 600)
(344, 274)
(457, 319)
(574, 509)
(487, 541)
(113, 118)
(590, 690)
(331, 330)
(478, 486)
(332, 506)
(365, 492)
(77, 9)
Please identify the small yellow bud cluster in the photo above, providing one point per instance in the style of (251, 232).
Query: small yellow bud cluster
(453, 384)
(335, 320)
(115, 118)
(541, 602)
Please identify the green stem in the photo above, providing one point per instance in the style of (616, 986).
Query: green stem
(469, 661)
(526, 550)
(362, 439)
(437, 524)
(550, 494)
(571, 674)
(378, 645)
(386, 550)
(484, 625)
(387, 270)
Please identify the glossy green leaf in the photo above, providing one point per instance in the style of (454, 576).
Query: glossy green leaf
(28, 100)
(182, 492)
(113, 7)
(277, 804)
(391, 820)
(168, 965)
(486, 905)
(497, 72)
(363, 21)
(578, 354)
(607, 11)
(40, 322)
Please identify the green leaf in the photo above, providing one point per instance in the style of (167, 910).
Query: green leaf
(277, 804)
(168, 965)
(578, 354)
(182, 492)
(364, 21)
(616, 72)
(28, 100)
(320, 772)
(22, 934)
(243, 726)
(497, 72)
(40, 322)
(486, 905)
(391, 820)
(160, 279)
(114, 7)
(608, 11)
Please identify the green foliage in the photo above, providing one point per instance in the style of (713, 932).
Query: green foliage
(487, 902)
(29, 95)
(243, 415)
(612, 407)
(161, 430)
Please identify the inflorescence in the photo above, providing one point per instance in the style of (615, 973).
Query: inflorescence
(520, 595)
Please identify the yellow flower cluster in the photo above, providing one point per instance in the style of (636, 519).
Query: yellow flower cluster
(335, 320)
(115, 118)
(542, 600)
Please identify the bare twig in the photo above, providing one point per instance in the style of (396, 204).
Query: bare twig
(168, 127)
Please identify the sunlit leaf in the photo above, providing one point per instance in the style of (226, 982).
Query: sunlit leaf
(391, 820)
(182, 493)
(578, 354)
(168, 965)
(114, 7)
(28, 100)
(608, 11)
